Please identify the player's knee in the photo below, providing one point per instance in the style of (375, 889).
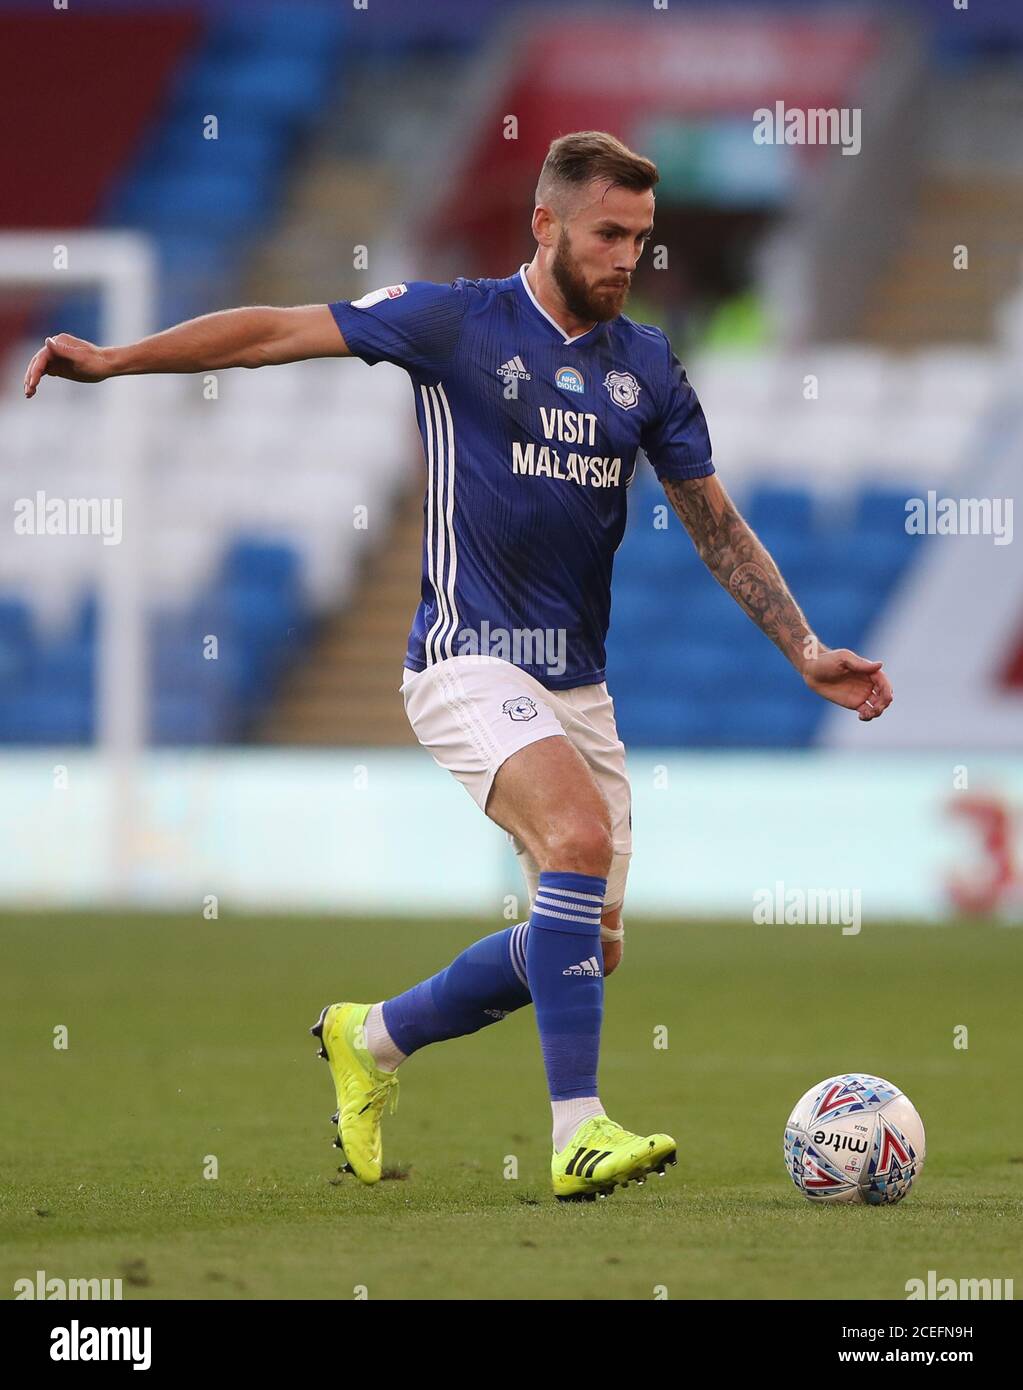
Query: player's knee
(582, 845)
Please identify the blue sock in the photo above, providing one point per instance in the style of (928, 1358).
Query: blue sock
(487, 981)
(564, 967)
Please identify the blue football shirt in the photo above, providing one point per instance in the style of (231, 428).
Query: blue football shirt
(531, 440)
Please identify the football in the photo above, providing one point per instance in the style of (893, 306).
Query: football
(854, 1138)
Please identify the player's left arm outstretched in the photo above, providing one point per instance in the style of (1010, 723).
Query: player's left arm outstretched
(741, 564)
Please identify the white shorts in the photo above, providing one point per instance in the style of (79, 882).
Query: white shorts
(473, 712)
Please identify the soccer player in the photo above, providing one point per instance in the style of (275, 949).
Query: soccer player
(534, 394)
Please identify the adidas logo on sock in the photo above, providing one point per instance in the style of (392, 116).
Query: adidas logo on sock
(514, 367)
(585, 967)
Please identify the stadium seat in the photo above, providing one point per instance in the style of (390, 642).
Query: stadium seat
(283, 88)
(67, 666)
(313, 31)
(46, 716)
(882, 510)
(222, 201)
(781, 508)
(765, 720)
(17, 642)
(251, 561)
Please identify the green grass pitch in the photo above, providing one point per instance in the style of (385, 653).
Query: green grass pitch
(188, 1038)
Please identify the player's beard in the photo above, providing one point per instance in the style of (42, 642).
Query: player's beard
(589, 303)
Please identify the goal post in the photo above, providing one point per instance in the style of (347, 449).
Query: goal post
(121, 266)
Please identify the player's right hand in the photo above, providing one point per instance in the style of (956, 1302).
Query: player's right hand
(67, 356)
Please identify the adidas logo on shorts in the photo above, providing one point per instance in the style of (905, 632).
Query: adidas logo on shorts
(589, 967)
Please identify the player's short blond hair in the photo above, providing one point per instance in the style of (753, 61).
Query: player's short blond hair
(574, 161)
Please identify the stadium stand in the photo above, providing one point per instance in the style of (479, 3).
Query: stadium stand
(259, 500)
(259, 541)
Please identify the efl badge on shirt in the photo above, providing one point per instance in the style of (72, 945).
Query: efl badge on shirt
(623, 388)
(388, 292)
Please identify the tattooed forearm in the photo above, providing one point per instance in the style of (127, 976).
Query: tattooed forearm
(739, 562)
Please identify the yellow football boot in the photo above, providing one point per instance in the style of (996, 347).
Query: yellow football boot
(362, 1089)
(602, 1156)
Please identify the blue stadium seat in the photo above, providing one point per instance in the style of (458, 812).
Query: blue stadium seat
(662, 719)
(634, 616)
(220, 201)
(872, 560)
(177, 646)
(765, 720)
(278, 87)
(46, 716)
(839, 613)
(256, 149)
(653, 553)
(191, 718)
(256, 610)
(86, 620)
(707, 610)
(67, 666)
(17, 641)
(780, 507)
(190, 259)
(258, 613)
(314, 31)
(790, 548)
(882, 510)
(805, 562)
(253, 561)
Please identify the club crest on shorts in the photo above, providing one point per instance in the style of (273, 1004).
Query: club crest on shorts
(522, 708)
(623, 389)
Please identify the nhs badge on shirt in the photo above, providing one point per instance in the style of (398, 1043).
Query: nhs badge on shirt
(388, 292)
(568, 379)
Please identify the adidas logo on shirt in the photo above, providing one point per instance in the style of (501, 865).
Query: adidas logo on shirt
(585, 967)
(514, 367)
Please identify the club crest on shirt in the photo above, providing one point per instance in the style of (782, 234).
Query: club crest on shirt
(522, 708)
(623, 389)
(375, 296)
